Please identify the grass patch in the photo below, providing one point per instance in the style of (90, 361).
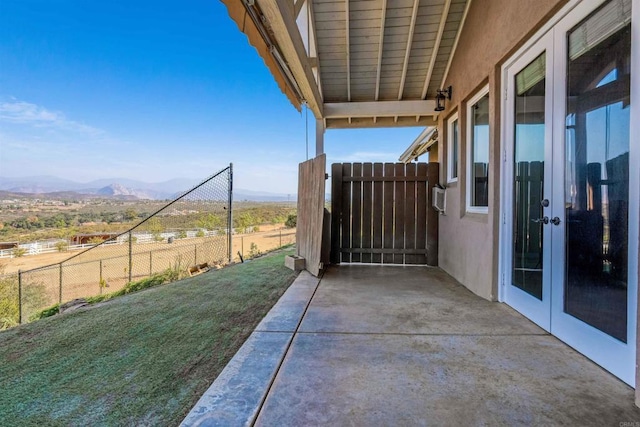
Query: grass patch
(141, 359)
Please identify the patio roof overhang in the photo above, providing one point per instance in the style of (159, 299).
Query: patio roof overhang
(357, 63)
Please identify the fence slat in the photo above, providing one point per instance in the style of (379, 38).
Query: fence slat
(346, 213)
(356, 212)
(399, 219)
(388, 213)
(367, 209)
(378, 206)
(410, 213)
(421, 214)
(336, 211)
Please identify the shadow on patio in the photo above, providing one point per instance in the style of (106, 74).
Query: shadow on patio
(374, 345)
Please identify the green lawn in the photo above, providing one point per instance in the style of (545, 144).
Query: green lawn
(141, 359)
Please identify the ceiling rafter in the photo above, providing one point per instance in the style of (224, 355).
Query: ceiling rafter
(414, 16)
(383, 17)
(297, 7)
(455, 43)
(348, 51)
(314, 41)
(436, 47)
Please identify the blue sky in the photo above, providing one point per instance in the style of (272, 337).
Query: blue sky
(152, 91)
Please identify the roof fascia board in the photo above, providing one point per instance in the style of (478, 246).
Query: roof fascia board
(280, 16)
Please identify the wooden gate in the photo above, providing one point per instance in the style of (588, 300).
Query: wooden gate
(309, 230)
(382, 213)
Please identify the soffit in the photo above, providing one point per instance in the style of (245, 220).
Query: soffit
(370, 63)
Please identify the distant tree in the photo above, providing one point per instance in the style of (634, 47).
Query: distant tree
(292, 221)
(209, 221)
(19, 252)
(95, 240)
(244, 221)
(155, 227)
(130, 214)
(62, 246)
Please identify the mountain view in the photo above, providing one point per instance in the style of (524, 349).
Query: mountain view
(119, 188)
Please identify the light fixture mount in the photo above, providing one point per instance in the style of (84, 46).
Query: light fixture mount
(441, 95)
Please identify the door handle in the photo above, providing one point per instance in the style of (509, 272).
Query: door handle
(555, 220)
(544, 220)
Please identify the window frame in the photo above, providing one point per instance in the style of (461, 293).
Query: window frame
(450, 143)
(468, 140)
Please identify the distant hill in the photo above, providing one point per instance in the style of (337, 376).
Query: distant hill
(118, 188)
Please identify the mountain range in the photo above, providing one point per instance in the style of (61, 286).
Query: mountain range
(121, 188)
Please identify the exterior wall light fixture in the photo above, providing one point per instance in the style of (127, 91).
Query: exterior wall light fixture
(441, 95)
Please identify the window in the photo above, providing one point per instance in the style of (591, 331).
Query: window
(453, 147)
(478, 152)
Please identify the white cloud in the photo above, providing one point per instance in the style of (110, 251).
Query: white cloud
(21, 112)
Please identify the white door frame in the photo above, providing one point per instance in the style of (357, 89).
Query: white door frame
(536, 311)
(565, 326)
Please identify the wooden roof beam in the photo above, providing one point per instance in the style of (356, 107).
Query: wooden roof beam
(436, 47)
(414, 16)
(346, 17)
(280, 16)
(380, 46)
(378, 109)
(455, 43)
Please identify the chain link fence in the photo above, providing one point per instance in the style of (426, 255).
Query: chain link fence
(189, 234)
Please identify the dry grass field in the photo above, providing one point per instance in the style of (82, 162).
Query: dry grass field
(106, 268)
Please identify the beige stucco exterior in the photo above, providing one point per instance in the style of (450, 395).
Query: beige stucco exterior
(468, 248)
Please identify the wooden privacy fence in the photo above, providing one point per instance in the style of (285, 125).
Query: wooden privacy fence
(382, 213)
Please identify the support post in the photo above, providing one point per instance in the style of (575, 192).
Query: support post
(319, 137)
(100, 282)
(432, 216)
(150, 263)
(195, 254)
(60, 282)
(19, 297)
(230, 214)
(130, 255)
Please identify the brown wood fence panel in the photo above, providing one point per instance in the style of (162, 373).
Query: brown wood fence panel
(367, 210)
(311, 180)
(383, 214)
(378, 202)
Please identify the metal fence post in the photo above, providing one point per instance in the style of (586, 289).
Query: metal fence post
(242, 245)
(150, 263)
(195, 254)
(60, 278)
(280, 238)
(230, 214)
(19, 297)
(130, 256)
(100, 283)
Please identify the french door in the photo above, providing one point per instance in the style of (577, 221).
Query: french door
(567, 249)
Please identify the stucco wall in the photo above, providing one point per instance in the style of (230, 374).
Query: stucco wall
(494, 29)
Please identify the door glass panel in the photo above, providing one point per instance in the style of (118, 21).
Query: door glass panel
(480, 152)
(529, 177)
(597, 170)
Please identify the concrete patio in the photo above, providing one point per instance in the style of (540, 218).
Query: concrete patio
(374, 345)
